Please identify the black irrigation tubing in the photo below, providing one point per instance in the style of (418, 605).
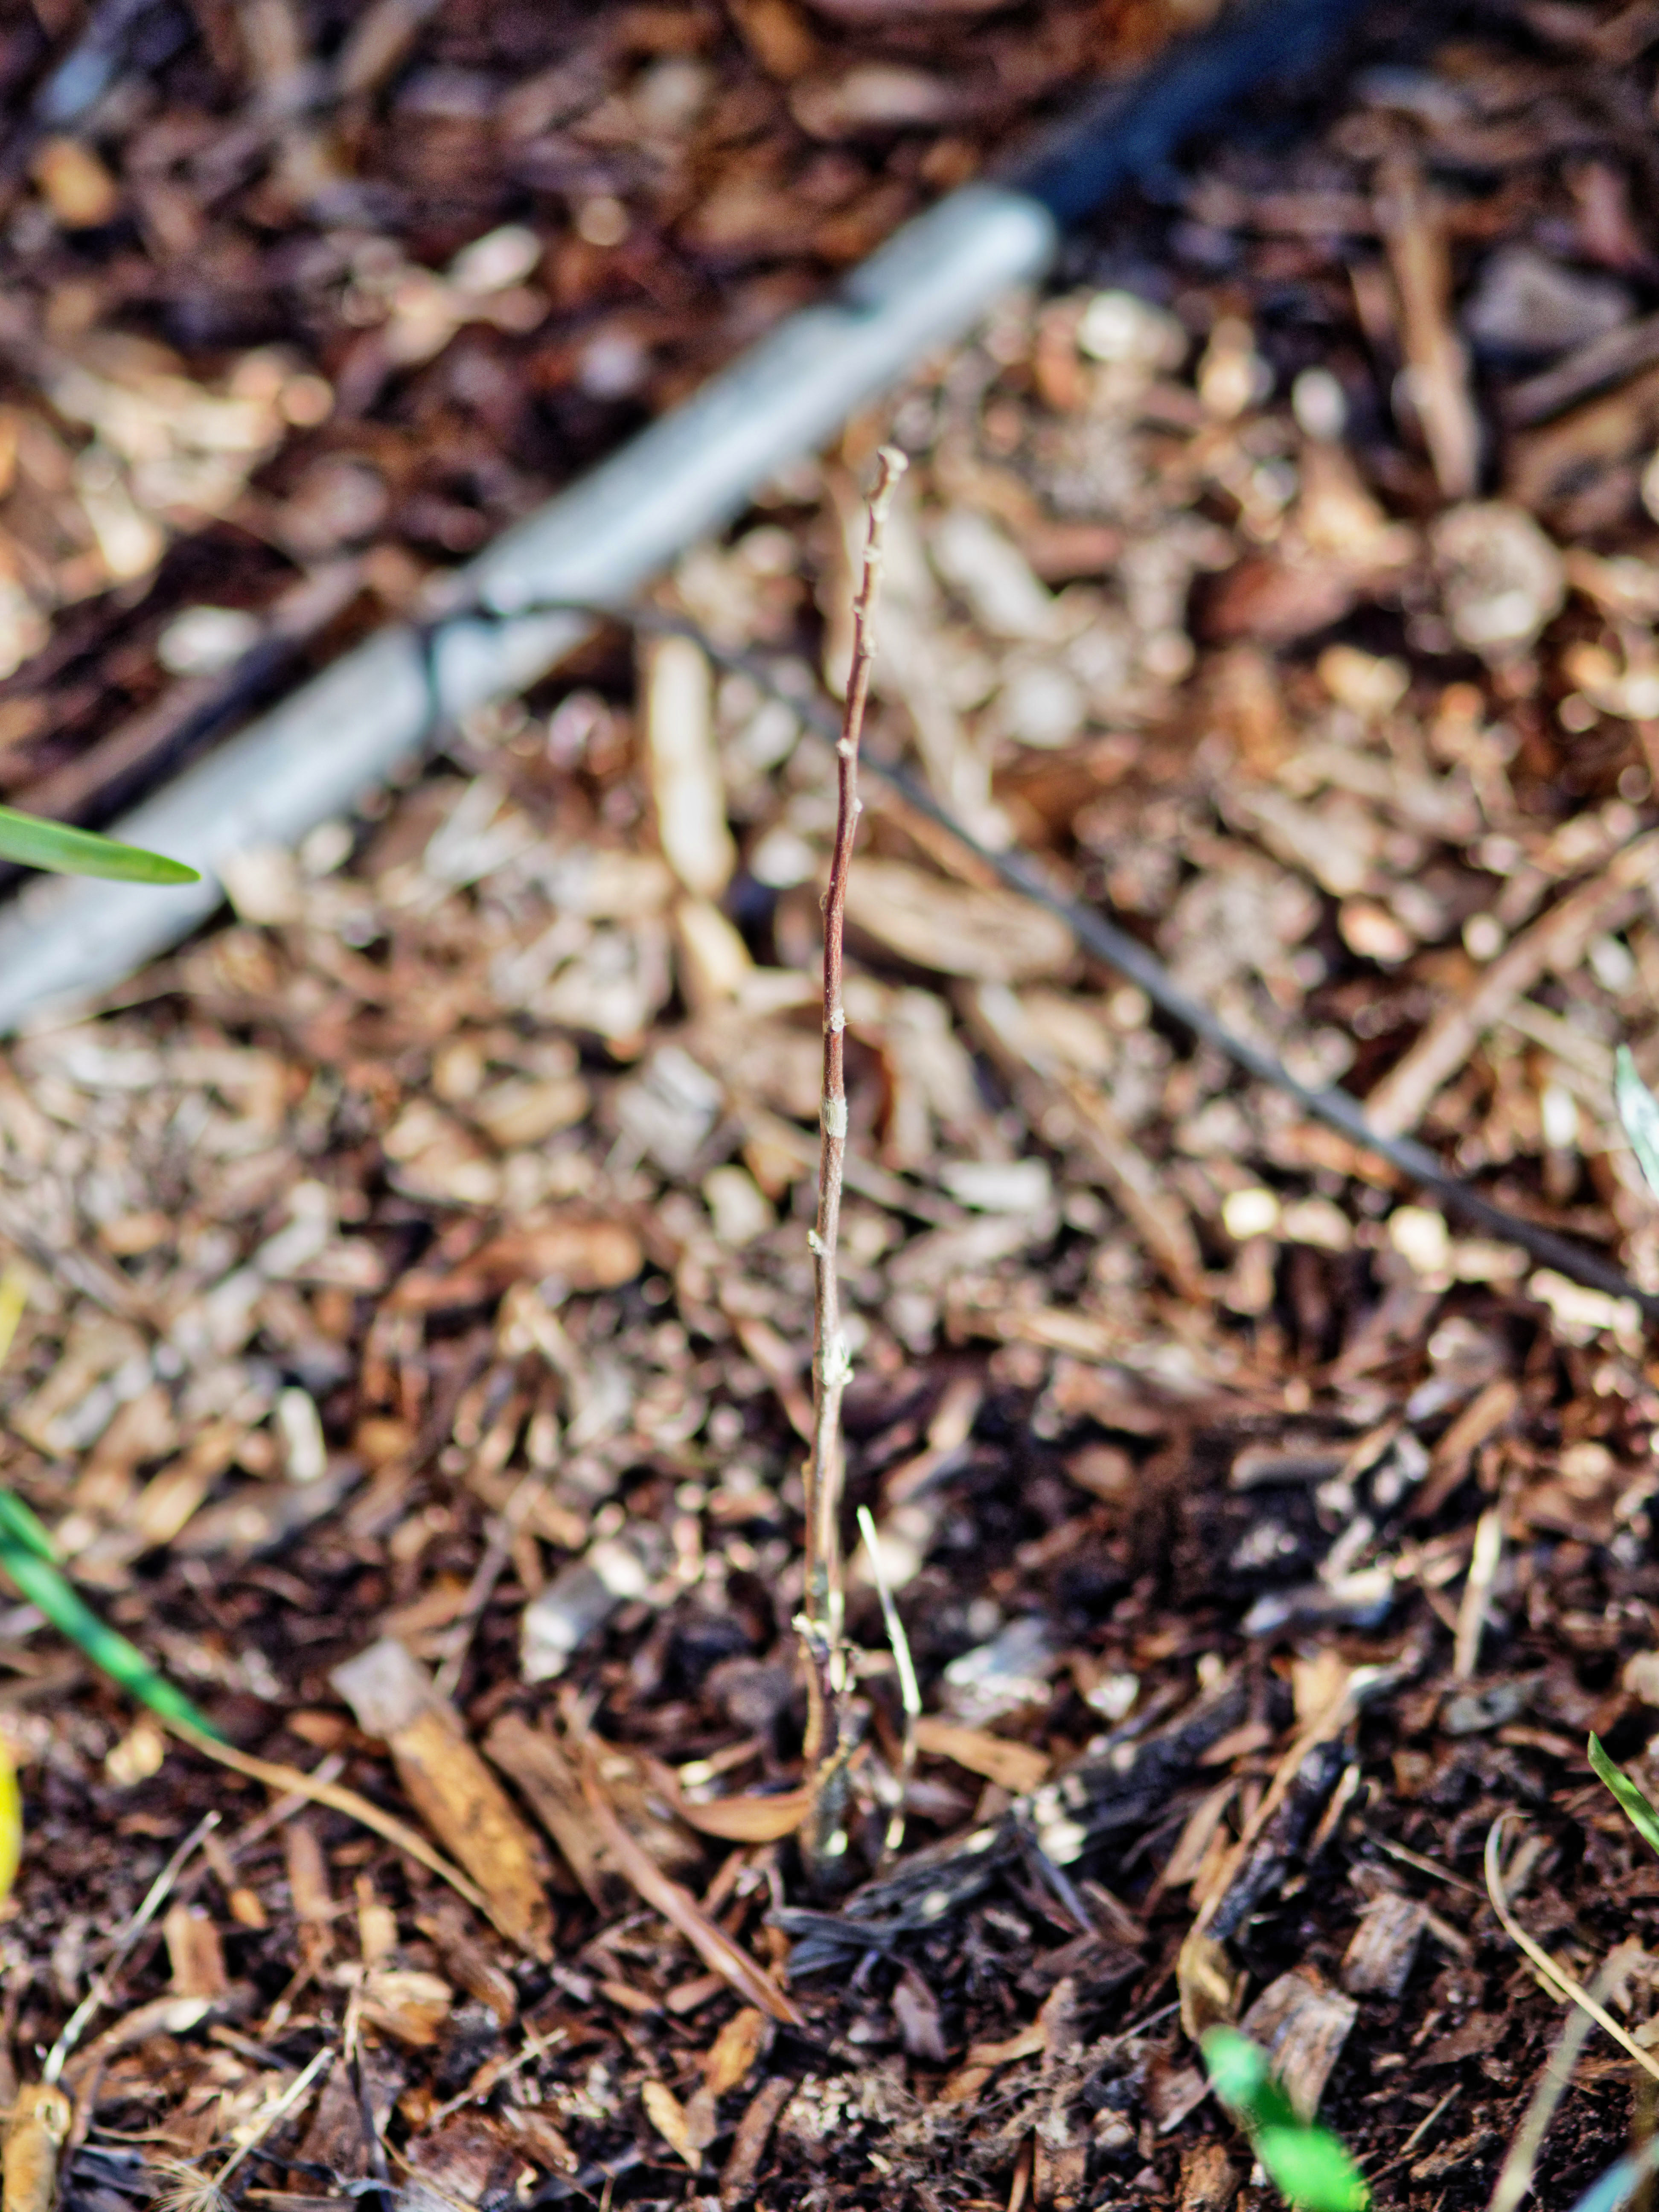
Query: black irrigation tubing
(73, 86)
(1117, 948)
(1129, 129)
(1338, 1109)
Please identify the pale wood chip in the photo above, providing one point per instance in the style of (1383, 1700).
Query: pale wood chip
(1379, 1958)
(1303, 2027)
(450, 1786)
(954, 929)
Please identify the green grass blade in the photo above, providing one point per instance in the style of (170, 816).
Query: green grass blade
(45, 1585)
(20, 1525)
(1638, 1109)
(35, 843)
(1641, 1813)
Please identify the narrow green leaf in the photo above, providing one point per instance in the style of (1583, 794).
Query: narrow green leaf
(33, 843)
(19, 1524)
(1638, 1109)
(1310, 2169)
(45, 1585)
(1641, 1813)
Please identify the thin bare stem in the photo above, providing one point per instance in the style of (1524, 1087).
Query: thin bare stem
(909, 1688)
(824, 1601)
(193, 2190)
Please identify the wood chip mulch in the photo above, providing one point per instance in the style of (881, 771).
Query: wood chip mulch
(416, 1359)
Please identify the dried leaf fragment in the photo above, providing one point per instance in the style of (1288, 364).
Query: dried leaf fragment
(743, 1819)
(194, 1953)
(1209, 1984)
(537, 1761)
(406, 2004)
(166, 2015)
(467, 1962)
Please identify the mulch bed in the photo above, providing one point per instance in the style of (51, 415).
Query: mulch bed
(421, 1255)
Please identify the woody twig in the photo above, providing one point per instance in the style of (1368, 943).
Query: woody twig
(824, 1833)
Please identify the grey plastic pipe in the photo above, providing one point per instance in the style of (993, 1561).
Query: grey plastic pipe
(63, 941)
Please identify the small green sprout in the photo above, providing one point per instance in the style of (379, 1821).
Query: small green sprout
(1306, 2163)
